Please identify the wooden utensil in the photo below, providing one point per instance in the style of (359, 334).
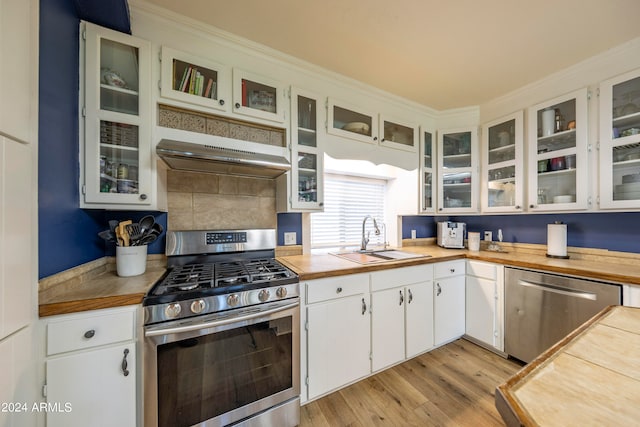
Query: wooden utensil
(124, 234)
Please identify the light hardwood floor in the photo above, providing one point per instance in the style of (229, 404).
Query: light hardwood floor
(453, 385)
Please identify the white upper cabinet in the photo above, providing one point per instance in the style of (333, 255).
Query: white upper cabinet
(620, 141)
(117, 169)
(502, 164)
(194, 80)
(427, 170)
(258, 96)
(396, 133)
(458, 170)
(352, 122)
(558, 151)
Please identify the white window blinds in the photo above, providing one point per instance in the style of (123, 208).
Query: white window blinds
(347, 201)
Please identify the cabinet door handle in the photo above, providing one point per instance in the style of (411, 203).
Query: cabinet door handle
(237, 105)
(364, 307)
(221, 102)
(453, 270)
(90, 334)
(532, 206)
(125, 371)
(410, 296)
(338, 290)
(438, 289)
(401, 298)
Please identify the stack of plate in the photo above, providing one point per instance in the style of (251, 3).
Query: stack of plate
(628, 191)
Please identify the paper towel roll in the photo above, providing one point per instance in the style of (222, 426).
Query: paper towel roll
(557, 240)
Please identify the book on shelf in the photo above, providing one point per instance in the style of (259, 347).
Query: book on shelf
(199, 84)
(192, 82)
(185, 79)
(207, 91)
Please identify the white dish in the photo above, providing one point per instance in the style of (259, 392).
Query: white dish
(625, 188)
(357, 127)
(565, 198)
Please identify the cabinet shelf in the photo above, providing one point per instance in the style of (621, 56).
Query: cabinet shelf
(308, 131)
(503, 148)
(558, 172)
(457, 185)
(562, 136)
(119, 89)
(118, 147)
(634, 162)
(307, 171)
(629, 119)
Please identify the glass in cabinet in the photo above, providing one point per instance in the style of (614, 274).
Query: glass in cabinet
(427, 168)
(351, 122)
(191, 79)
(257, 96)
(620, 141)
(116, 146)
(397, 134)
(558, 153)
(502, 163)
(306, 152)
(457, 170)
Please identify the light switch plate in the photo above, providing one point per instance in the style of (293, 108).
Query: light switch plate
(413, 234)
(290, 238)
(488, 236)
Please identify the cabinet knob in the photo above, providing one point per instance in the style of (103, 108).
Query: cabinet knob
(124, 366)
(90, 334)
(453, 270)
(532, 206)
(338, 290)
(143, 197)
(321, 204)
(375, 138)
(440, 209)
(221, 102)
(237, 105)
(517, 206)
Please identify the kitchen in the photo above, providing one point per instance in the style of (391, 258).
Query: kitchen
(62, 241)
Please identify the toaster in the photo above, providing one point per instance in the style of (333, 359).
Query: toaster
(451, 234)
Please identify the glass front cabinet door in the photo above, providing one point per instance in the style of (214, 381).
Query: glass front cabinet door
(258, 96)
(306, 152)
(398, 134)
(193, 80)
(458, 170)
(117, 154)
(427, 170)
(502, 164)
(558, 154)
(620, 141)
(351, 122)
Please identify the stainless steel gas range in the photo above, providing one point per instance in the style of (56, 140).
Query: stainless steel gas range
(222, 334)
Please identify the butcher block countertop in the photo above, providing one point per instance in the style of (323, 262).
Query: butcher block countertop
(592, 377)
(95, 285)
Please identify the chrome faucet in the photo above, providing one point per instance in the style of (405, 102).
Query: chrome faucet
(365, 239)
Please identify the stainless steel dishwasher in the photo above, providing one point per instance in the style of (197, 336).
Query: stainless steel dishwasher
(542, 308)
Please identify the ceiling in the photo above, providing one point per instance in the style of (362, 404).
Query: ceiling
(442, 54)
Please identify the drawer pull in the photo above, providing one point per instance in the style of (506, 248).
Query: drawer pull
(125, 371)
(438, 289)
(401, 298)
(410, 295)
(90, 334)
(364, 307)
(338, 290)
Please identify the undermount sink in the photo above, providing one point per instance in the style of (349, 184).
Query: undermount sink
(377, 256)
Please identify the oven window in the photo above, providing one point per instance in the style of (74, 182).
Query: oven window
(204, 377)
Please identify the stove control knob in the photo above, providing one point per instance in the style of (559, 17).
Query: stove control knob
(233, 300)
(172, 310)
(263, 295)
(198, 306)
(281, 292)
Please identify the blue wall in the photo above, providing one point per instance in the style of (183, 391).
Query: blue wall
(618, 231)
(67, 234)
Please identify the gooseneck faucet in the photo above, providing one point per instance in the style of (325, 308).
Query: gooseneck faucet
(365, 239)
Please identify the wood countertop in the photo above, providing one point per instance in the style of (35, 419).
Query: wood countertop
(310, 267)
(96, 285)
(592, 377)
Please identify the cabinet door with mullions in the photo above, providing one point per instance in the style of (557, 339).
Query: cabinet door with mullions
(620, 141)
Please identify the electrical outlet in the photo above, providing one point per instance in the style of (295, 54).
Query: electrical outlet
(488, 236)
(290, 238)
(413, 234)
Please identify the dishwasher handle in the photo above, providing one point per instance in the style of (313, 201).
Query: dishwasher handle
(559, 290)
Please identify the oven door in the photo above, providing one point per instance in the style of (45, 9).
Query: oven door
(221, 368)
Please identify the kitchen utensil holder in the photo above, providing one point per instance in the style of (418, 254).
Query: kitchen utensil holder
(131, 260)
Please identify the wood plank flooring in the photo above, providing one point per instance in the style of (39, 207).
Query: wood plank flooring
(453, 385)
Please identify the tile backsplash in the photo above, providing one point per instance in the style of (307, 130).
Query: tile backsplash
(208, 201)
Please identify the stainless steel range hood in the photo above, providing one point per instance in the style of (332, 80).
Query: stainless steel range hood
(207, 158)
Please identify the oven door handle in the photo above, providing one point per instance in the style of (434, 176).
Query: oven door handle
(197, 326)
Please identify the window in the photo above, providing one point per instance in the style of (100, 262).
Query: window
(347, 201)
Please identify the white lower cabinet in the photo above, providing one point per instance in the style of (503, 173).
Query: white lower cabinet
(338, 332)
(91, 368)
(401, 314)
(449, 301)
(485, 303)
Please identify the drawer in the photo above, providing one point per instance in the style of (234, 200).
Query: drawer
(88, 331)
(449, 269)
(392, 278)
(336, 287)
(482, 269)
